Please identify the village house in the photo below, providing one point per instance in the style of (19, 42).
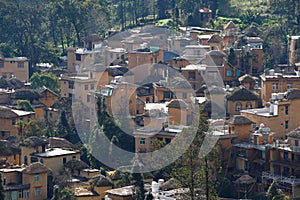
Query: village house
(33, 150)
(17, 67)
(278, 114)
(26, 182)
(9, 153)
(241, 99)
(9, 120)
(272, 82)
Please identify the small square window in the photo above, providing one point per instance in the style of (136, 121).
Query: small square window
(86, 87)
(21, 65)
(142, 141)
(275, 86)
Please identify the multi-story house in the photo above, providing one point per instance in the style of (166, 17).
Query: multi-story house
(17, 67)
(11, 121)
(272, 82)
(279, 114)
(241, 99)
(33, 149)
(9, 153)
(24, 183)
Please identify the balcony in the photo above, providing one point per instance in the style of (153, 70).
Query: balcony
(11, 187)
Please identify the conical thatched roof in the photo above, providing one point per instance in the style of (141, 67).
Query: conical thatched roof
(76, 164)
(245, 179)
(102, 181)
(6, 148)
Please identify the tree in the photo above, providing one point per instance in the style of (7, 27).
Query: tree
(24, 105)
(48, 80)
(1, 188)
(194, 172)
(32, 129)
(63, 127)
(139, 188)
(272, 190)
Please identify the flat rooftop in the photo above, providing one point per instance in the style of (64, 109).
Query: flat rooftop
(259, 111)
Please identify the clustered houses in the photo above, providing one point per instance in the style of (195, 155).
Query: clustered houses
(153, 78)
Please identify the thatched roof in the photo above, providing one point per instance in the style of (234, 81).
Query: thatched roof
(55, 142)
(44, 89)
(92, 38)
(76, 164)
(239, 120)
(169, 185)
(252, 31)
(6, 148)
(34, 141)
(177, 103)
(102, 181)
(247, 78)
(230, 25)
(245, 179)
(25, 94)
(295, 133)
(12, 83)
(243, 94)
(293, 94)
(215, 38)
(7, 113)
(36, 168)
(15, 83)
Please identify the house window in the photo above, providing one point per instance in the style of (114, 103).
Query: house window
(3, 133)
(25, 160)
(168, 140)
(78, 57)
(71, 85)
(275, 86)
(151, 140)
(38, 191)
(142, 141)
(289, 86)
(248, 105)
(184, 95)
(238, 106)
(229, 73)
(21, 65)
(24, 194)
(41, 160)
(192, 76)
(1, 64)
(74, 157)
(167, 95)
(86, 87)
(64, 160)
(296, 143)
(92, 86)
(237, 72)
(33, 160)
(88, 98)
(293, 156)
(286, 109)
(13, 122)
(286, 124)
(285, 155)
(36, 178)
